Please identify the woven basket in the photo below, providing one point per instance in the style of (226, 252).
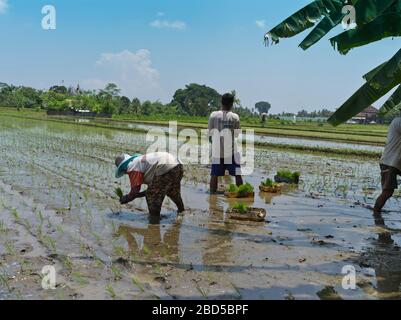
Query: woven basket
(237, 195)
(274, 189)
(253, 214)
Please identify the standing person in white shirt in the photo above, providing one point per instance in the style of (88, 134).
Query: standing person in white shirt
(224, 126)
(390, 165)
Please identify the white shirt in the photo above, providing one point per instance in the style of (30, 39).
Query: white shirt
(153, 164)
(392, 152)
(226, 124)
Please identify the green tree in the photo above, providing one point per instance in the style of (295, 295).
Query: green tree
(146, 108)
(263, 107)
(196, 100)
(135, 106)
(375, 20)
(59, 89)
(124, 104)
(109, 98)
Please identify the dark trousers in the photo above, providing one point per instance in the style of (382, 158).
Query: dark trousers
(169, 185)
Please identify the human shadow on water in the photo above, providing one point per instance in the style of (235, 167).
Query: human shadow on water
(385, 258)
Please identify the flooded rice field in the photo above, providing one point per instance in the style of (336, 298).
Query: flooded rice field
(57, 208)
(269, 139)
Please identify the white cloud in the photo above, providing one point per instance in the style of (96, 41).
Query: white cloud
(261, 23)
(3, 6)
(131, 71)
(180, 25)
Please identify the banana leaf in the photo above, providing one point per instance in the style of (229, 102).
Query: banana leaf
(369, 10)
(385, 79)
(392, 103)
(369, 76)
(303, 19)
(321, 29)
(387, 25)
(388, 73)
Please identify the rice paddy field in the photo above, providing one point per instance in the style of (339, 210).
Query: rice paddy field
(58, 208)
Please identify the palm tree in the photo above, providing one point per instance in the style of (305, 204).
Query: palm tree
(375, 20)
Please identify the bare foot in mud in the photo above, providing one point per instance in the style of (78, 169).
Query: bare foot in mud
(218, 192)
(371, 208)
(375, 211)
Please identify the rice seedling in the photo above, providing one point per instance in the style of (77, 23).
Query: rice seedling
(2, 227)
(4, 280)
(97, 237)
(48, 242)
(241, 207)
(268, 183)
(119, 193)
(288, 176)
(67, 263)
(232, 188)
(119, 251)
(245, 189)
(79, 278)
(111, 292)
(117, 274)
(15, 214)
(10, 249)
(202, 292)
(138, 284)
(27, 224)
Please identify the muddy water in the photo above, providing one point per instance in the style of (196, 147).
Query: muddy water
(57, 208)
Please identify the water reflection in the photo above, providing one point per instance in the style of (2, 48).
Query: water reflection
(385, 258)
(154, 245)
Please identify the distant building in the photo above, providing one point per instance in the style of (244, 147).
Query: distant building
(369, 115)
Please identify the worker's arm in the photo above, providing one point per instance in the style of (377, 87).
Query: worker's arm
(136, 180)
(134, 194)
(210, 128)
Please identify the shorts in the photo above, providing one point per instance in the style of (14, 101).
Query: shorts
(389, 177)
(219, 169)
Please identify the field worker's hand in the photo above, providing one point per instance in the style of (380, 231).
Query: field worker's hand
(125, 199)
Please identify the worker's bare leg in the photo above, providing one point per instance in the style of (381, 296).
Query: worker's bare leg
(239, 181)
(382, 199)
(213, 184)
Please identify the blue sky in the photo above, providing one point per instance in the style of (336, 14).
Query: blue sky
(151, 48)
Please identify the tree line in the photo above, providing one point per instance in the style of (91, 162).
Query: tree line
(193, 100)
